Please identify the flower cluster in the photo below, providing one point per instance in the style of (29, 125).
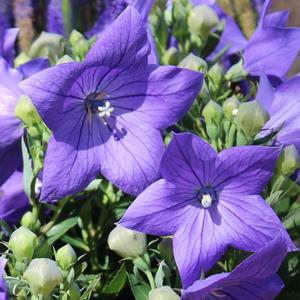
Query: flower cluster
(165, 119)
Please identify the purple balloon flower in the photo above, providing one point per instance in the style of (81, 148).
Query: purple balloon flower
(272, 42)
(13, 201)
(208, 201)
(254, 279)
(106, 113)
(3, 287)
(7, 44)
(283, 105)
(55, 17)
(10, 125)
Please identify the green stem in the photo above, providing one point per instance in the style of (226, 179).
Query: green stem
(150, 279)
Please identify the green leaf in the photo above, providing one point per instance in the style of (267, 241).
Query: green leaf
(76, 242)
(27, 169)
(89, 290)
(117, 283)
(274, 198)
(140, 290)
(160, 274)
(60, 229)
(292, 220)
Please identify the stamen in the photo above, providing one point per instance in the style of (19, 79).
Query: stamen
(206, 201)
(105, 111)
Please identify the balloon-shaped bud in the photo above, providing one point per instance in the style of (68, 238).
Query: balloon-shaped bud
(22, 244)
(289, 161)
(194, 63)
(126, 242)
(251, 117)
(48, 45)
(236, 73)
(202, 19)
(30, 222)
(216, 74)
(65, 257)
(163, 293)
(74, 292)
(26, 112)
(213, 113)
(231, 107)
(21, 59)
(171, 56)
(43, 275)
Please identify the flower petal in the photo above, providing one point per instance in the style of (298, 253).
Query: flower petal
(130, 158)
(249, 222)
(198, 244)
(265, 93)
(160, 209)
(123, 43)
(245, 169)
(188, 161)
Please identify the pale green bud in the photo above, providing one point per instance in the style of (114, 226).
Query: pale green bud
(43, 275)
(289, 161)
(213, 113)
(22, 244)
(74, 292)
(163, 293)
(171, 56)
(48, 45)
(75, 37)
(194, 63)
(65, 257)
(21, 59)
(251, 118)
(65, 59)
(216, 74)
(26, 112)
(236, 73)
(30, 221)
(231, 107)
(126, 242)
(202, 20)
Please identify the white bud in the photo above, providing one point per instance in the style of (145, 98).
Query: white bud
(163, 293)
(126, 242)
(65, 257)
(43, 275)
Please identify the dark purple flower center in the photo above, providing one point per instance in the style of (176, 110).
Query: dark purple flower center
(207, 195)
(98, 103)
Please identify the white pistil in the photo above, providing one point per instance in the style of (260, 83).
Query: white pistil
(105, 111)
(206, 201)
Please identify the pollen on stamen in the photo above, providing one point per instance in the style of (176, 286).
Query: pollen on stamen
(105, 111)
(206, 201)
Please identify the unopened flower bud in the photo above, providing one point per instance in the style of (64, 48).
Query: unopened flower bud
(163, 293)
(22, 243)
(236, 73)
(79, 44)
(193, 62)
(43, 275)
(26, 112)
(289, 161)
(213, 113)
(126, 242)
(216, 73)
(48, 45)
(202, 20)
(30, 221)
(65, 59)
(251, 118)
(171, 56)
(231, 107)
(74, 292)
(65, 257)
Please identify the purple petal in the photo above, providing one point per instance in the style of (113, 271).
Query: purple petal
(188, 161)
(248, 221)
(278, 18)
(143, 7)
(265, 93)
(55, 18)
(33, 66)
(14, 202)
(8, 46)
(69, 169)
(245, 169)
(122, 44)
(3, 287)
(161, 209)
(198, 244)
(10, 160)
